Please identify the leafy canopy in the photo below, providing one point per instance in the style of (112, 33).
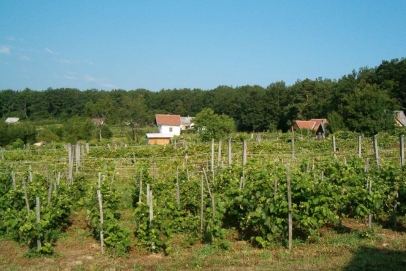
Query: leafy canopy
(213, 126)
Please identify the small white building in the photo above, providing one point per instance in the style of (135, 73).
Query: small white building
(187, 123)
(12, 120)
(168, 124)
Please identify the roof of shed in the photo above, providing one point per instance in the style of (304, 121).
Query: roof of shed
(159, 135)
(162, 119)
(305, 124)
(12, 120)
(400, 116)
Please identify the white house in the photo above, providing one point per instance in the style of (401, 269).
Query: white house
(168, 124)
(187, 123)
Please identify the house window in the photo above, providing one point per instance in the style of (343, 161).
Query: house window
(170, 129)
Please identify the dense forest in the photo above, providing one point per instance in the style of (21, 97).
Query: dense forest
(362, 101)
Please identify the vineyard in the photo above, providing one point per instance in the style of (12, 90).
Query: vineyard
(267, 190)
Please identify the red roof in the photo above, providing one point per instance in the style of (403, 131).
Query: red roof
(162, 119)
(318, 122)
(312, 124)
(305, 124)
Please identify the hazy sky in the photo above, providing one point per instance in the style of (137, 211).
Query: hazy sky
(192, 44)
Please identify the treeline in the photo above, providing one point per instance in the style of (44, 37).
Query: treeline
(361, 101)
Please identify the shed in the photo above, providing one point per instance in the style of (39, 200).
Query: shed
(159, 138)
(317, 125)
(12, 120)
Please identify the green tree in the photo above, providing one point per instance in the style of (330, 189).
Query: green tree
(77, 128)
(335, 122)
(213, 126)
(368, 110)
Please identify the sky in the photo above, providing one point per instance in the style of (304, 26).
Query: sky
(168, 44)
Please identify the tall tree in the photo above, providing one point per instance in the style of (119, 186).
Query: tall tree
(368, 110)
(213, 126)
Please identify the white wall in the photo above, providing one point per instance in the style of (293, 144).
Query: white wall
(167, 129)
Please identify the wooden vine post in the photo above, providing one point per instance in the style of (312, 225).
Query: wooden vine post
(30, 173)
(212, 155)
(77, 154)
(244, 153)
(293, 147)
(275, 187)
(27, 205)
(369, 188)
(140, 194)
(359, 146)
(177, 187)
(229, 152)
(334, 146)
(38, 219)
(290, 229)
(375, 139)
(201, 203)
(395, 206)
(13, 178)
(99, 198)
(219, 155)
(370, 214)
(210, 194)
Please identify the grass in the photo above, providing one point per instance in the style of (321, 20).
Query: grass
(349, 250)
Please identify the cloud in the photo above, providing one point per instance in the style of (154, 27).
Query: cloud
(69, 77)
(25, 58)
(66, 61)
(100, 82)
(51, 52)
(89, 78)
(108, 85)
(5, 49)
(11, 39)
(88, 62)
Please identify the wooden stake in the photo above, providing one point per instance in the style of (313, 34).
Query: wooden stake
(13, 177)
(229, 152)
(359, 146)
(99, 197)
(289, 208)
(201, 204)
(375, 138)
(211, 196)
(38, 219)
(177, 187)
(219, 155)
(212, 155)
(27, 205)
(244, 153)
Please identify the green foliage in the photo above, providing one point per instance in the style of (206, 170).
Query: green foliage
(213, 126)
(9, 133)
(360, 98)
(50, 134)
(335, 122)
(18, 144)
(368, 110)
(106, 132)
(20, 224)
(77, 128)
(116, 238)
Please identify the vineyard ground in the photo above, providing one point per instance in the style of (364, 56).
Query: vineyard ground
(336, 250)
